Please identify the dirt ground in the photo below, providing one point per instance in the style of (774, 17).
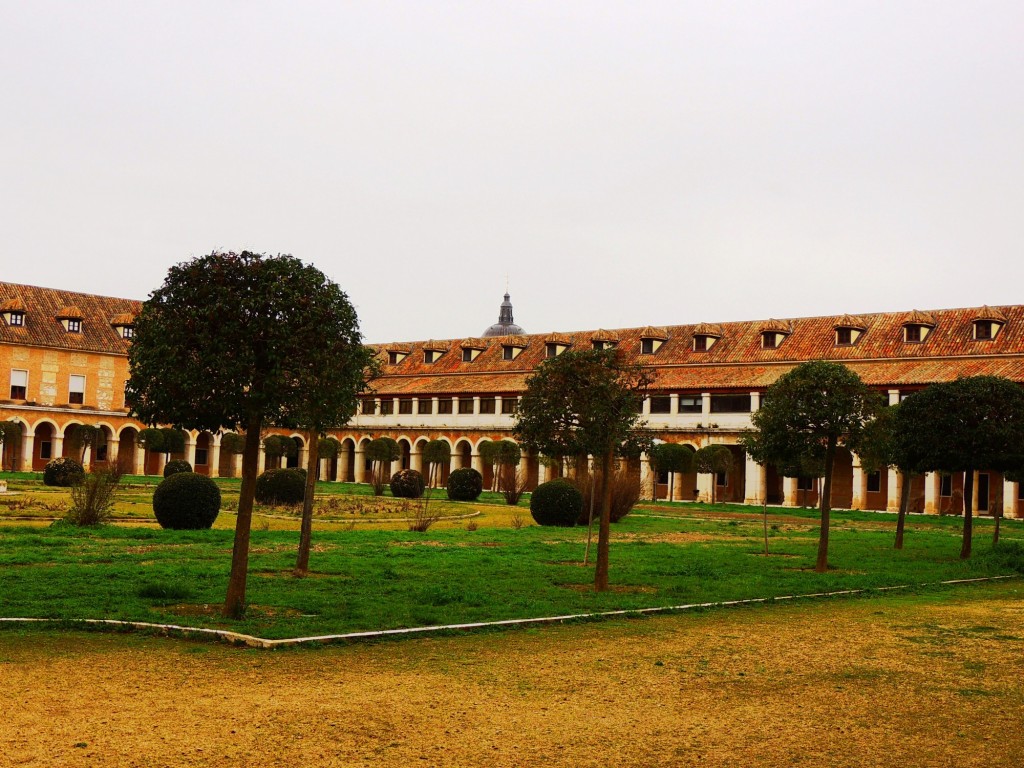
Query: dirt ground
(932, 680)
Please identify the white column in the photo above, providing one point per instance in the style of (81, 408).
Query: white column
(190, 450)
(476, 406)
(673, 403)
(213, 456)
(87, 456)
(646, 406)
(704, 481)
(705, 406)
(416, 460)
(542, 471)
(57, 449)
(435, 409)
(344, 459)
(497, 405)
(455, 407)
(1009, 498)
(974, 493)
(894, 397)
(931, 492)
(860, 484)
(755, 482)
(477, 461)
(647, 477)
(114, 452)
(28, 443)
(261, 465)
(791, 492)
(755, 401)
(359, 464)
(139, 465)
(161, 463)
(895, 487)
(415, 406)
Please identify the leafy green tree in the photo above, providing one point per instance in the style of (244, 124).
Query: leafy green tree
(804, 417)
(585, 402)
(672, 458)
(962, 426)
(381, 452)
(229, 341)
(279, 447)
(328, 448)
(712, 459)
(436, 454)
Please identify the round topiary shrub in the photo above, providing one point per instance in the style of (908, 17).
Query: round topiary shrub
(63, 472)
(186, 502)
(176, 466)
(465, 484)
(557, 502)
(281, 486)
(407, 484)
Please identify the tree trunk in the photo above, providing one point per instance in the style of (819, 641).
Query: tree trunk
(901, 518)
(764, 510)
(965, 547)
(234, 603)
(306, 529)
(604, 530)
(590, 523)
(671, 486)
(995, 532)
(821, 566)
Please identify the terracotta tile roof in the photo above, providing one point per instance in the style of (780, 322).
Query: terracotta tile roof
(737, 360)
(13, 305)
(917, 317)
(851, 321)
(708, 329)
(775, 326)
(650, 332)
(988, 313)
(124, 318)
(436, 346)
(42, 307)
(605, 336)
(70, 312)
(565, 339)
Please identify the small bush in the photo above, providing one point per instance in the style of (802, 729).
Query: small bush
(92, 500)
(465, 484)
(63, 472)
(176, 466)
(281, 486)
(556, 502)
(407, 484)
(186, 501)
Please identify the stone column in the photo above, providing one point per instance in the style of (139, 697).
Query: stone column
(261, 466)
(190, 450)
(894, 397)
(704, 481)
(213, 456)
(860, 484)
(647, 477)
(87, 457)
(895, 487)
(114, 452)
(646, 406)
(755, 482)
(139, 465)
(932, 481)
(1009, 498)
(755, 401)
(359, 468)
(705, 406)
(455, 406)
(416, 460)
(415, 406)
(477, 461)
(677, 486)
(57, 449)
(792, 495)
(476, 406)
(28, 445)
(497, 405)
(435, 409)
(542, 471)
(303, 456)
(974, 495)
(161, 463)
(673, 403)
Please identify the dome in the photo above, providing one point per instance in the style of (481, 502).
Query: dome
(505, 325)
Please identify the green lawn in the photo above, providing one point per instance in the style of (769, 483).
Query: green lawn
(383, 579)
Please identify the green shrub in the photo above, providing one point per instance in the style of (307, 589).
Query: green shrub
(465, 484)
(281, 486)
(556, 502)
(63, 472)
(176, 466)
(407, 484)
(186, 501)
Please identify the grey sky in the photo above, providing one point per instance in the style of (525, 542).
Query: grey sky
(625, 163)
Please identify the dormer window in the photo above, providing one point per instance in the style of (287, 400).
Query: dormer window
(987, 324)
(513, 348)
(396, 356)
(127, 332)
(771, 339)
(849, 329)
(15, 319)
(71, 318)
(652, 339)
(13, 312)
(773, 333)
(603, 339)
(123, 325)
(433, 350)
(429, 355)
(917, 327)
(73, 326)
(705, 335)
(552, 350)
(844, 337)
(555, 344)
(700, 343)
(471, 349)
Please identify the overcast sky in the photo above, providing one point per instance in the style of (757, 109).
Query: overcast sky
(625, 163)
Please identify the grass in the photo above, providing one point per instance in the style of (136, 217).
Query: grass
(369, 578)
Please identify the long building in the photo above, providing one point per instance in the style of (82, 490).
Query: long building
(66, 357)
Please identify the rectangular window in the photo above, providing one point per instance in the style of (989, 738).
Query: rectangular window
(17, 318)
(661, 404)
(844, 337)
(730, 403)
(201, 457)
(444, 405)
(509, 405)
(508, 353)
(429, 355)
(486, 405)
(946, 486)
(465, 405)
(46, 450)
(662, 478)
(912, 333)
(805, 483)
(76, 389)
(646, 346)
(387, 407)
(874, 482)
(983, 330)
(721, 479)
(551, 350)
(405, 406)
(467, 355)
(700, 343)
(691, 404)
(425, 405)
(74, 326)
(19, 384)
(368, 407)
(127, 332)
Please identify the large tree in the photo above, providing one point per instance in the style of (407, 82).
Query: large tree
(963, 426)
(229, 341)
(579, 403)
(803, 418)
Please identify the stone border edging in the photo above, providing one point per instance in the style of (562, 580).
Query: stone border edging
(237, 638)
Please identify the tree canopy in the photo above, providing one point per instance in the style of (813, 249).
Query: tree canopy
(712, 459)
(241, 340)
(585, 402)
(672, 458)
(803, 418)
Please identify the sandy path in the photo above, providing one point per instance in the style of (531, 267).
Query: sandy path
(895, 681)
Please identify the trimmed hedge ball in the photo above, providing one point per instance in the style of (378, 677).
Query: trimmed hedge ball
(281, 486)
(407, 484)
(176, 466)
(186, 502)
(63, 472)
(556, 502)
(465, 484)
